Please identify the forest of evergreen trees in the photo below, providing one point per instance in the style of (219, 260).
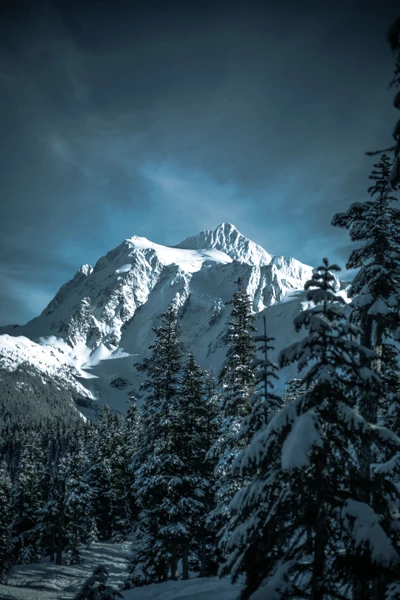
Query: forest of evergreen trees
(297, 495)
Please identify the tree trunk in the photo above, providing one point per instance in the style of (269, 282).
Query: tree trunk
(203, 558)
(174, 561)
(60, 532)
(52, 542)
(185, 561)
(361, 589)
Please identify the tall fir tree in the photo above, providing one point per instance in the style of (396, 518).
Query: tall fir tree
(27, 499)
(100, 471)
(77, 502)
(132, 427)
(120, 510)
(375, 293)
(375, 224)
(248, 552)
(192, 428)
(303, 510)
(237, 381)
(210, 555)
(159, 468)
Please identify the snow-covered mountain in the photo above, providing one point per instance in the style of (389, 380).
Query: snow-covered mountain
(100, 322)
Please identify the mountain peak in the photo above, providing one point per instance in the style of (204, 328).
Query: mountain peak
(229, 240)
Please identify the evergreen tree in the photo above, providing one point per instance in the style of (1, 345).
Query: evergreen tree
(302, 510)
(160, 480)
(248, 508)
(27, 500)
(192, 429)
(49, 513)
(120, 517)
(100, 472)
(210, 555)
(78, 501)
(375, 290)
(376, 286)
(375, 293)
(132, 430)
(265, 401)
(238, 382)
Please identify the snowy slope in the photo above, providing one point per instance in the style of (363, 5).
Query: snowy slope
(46, 581)
(108, 311)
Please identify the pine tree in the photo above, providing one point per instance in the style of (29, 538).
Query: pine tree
(49, 513)
(78, 501)
(159, 467)
(132, 427)
(303, 510)
(265, 401)
(238, 382)
(27, 500)
(100, 473)
(375, 293)
(120, 516)
(192, 429)
(248, 551)
(375, 289)
(210, 555)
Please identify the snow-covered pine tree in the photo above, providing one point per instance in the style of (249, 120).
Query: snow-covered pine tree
(210, 555)
(49, 513)
(6, 544)
(120, 517)
(375, 293)
(251, 522)
(265, 401)
(27, 499)
(237, 381)
(375, 289)
(308, 511)
(131, 430)
(159, 467)
(50, 518)
(78, 500)
(100, 471)
(192, 431)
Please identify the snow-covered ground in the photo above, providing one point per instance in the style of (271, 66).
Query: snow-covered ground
(46, 581)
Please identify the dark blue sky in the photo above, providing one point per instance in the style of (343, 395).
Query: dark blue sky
(164, 119)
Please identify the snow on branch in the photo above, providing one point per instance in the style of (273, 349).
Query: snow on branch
(303, 437)
(364, 523)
